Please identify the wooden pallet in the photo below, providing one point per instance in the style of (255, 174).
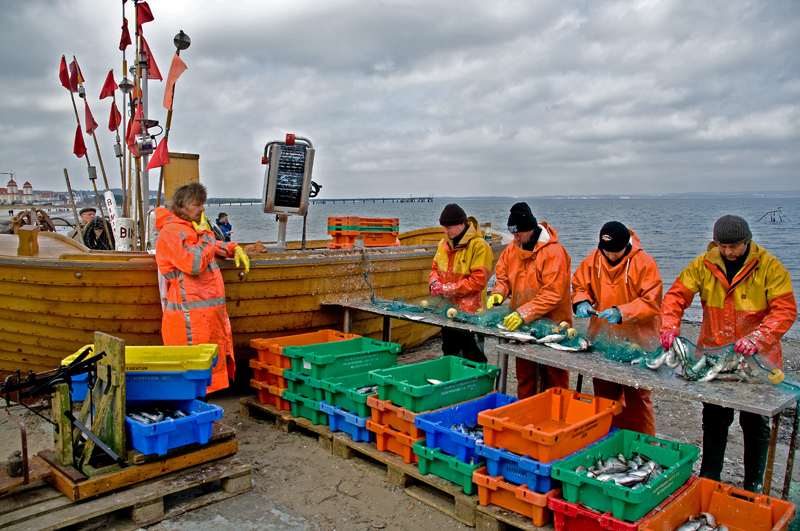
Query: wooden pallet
(40, 507)
(494, 518)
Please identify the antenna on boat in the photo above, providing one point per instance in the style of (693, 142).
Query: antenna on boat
(775, 215)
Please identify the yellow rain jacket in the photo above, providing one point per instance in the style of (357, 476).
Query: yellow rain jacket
(759, 304)
(464, 270)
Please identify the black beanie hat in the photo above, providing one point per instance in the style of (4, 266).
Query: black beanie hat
(730, 230)
(452, 215)
(521, 218)
(614, 237)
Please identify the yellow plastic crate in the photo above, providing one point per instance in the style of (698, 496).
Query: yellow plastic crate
(163, 359)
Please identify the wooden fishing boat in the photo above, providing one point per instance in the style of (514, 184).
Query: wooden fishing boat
(52, 303)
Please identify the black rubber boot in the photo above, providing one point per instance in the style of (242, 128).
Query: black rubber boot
(756, 447)
(716, 421)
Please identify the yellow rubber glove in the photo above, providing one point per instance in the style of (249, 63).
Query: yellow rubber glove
(241, 257)
(494, 300)
(512, 321)
(203, 225)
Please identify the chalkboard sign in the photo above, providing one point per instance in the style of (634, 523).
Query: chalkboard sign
(288, 179)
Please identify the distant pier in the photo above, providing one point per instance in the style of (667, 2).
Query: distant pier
(427, 199)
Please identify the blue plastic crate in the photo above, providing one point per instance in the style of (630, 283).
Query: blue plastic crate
(436, 425)
(80, 387)
(522, 470)
(350, 423)
(145, 387)
(161, 437)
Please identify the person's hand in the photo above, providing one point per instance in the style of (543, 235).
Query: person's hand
(667, 338)
(203, 225)
(513, 321)
(745, 347)
(611, 315)
(436, 289)
(240, 256)
(582, 310)
(494, 300)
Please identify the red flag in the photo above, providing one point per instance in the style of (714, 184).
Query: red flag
(63, 74)
(114, 118)
(125, 40)
(160, 156)
(91, 125)
(109, 86)
(73, 76)
(152, 68)
(79, 148)
(175, 70)
(135, 128)
(143, 15)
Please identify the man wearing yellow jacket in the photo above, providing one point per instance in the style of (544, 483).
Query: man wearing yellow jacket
(747, 301)
(460, 271)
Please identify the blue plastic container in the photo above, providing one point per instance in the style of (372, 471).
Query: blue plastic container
(436, 425)
(161, 437)
(80, 387)
(350, 423)
(146, 387)
(522, 470)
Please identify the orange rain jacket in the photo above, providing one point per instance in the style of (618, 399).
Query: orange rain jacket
(536, 283)
(759, 304)
(195, 310)
(633, 285)
(464, 270)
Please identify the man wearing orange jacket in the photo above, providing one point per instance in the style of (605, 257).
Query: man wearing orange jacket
(460, 271)
(195, 311)
(533, 274)
(748, 302)
(622, 282)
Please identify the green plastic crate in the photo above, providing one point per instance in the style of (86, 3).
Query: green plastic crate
(306, 408)
(303, 385)
(342, 358)
(408, 386)
(341, 392)
(624, 503)
(435, 461)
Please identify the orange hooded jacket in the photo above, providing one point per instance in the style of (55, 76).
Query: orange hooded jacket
(195, 310)
(463, 271)
(633, 285)
(536, 283)
(759, 304)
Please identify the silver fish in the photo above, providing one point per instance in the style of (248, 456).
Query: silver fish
(580, 469)
(433, 381)
(552, 338)
(606, 477)
(627, 480)
(583, 344)
(673, 359)
(710, 519)
(691, 525)
(658, 361)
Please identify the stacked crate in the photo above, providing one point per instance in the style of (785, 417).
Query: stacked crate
(346, 403)
(375, 232)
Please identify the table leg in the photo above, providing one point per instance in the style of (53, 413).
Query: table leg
(579, 383)
(348, 321)
(387, 328)
(502, 360)
(773, 441)
(787, 481)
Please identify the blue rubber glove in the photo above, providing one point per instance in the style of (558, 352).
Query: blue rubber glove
(582, 310)
(611, 315)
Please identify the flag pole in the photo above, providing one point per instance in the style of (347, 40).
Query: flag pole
(137, 82)
(74, 210)
(124, 147)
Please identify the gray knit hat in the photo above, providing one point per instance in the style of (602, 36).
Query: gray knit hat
(730, 230)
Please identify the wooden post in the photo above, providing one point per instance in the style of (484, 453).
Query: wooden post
(62, 435)
(28, 240)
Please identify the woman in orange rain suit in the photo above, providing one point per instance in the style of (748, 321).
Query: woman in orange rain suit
(623, 283)
(195, 302)
(533, 274)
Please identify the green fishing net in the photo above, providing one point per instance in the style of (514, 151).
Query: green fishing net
(618, 350)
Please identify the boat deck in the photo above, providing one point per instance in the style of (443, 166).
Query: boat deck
(51, 245)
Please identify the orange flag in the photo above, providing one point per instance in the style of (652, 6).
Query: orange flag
(78, 147)
(109, 86)
(160, 156)
(115, 118)
(91, 124)
(63, 74)
(175, 70)
(152, 67)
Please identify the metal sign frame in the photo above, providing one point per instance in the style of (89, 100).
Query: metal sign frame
(273, 154)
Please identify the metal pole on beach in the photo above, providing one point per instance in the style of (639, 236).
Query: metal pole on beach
(74, 210)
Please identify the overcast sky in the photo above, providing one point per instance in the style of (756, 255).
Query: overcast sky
(460, 98)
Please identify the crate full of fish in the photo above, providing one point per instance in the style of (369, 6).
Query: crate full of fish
(304, 385)
(434, 384)
(159, 427)
(550, 425)
(575, 517)
(341, 358)
(350, 392)
(271, 350)
(628, 474)
(389, 440)
(306, 408)
(516, 498)
(521, 469)
(269, 394)
(709, 505)
(396, 417)
(435, 461)
(350, 423)
(455, 429)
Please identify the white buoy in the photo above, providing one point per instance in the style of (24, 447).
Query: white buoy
(127, 234)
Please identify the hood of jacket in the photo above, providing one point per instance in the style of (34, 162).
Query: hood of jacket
(473, 231)
(548, 236)
(164, 217)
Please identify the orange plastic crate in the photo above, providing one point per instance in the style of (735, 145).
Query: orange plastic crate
(269, 394)
(737, 509)
(341, 245)
(343, 238)
(396, 417)
(272, 375)
(378, 222)
(379, 239)
(389, 440)
(271, 350)
(495, 491)
(550, 425)
(344, 221)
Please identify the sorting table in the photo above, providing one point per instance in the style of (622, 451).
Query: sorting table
(761, 399)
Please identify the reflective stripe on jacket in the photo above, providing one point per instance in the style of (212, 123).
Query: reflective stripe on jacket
(195, 307)
(536, 283)
(464, 270)
(759, 304)
(633, 285)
